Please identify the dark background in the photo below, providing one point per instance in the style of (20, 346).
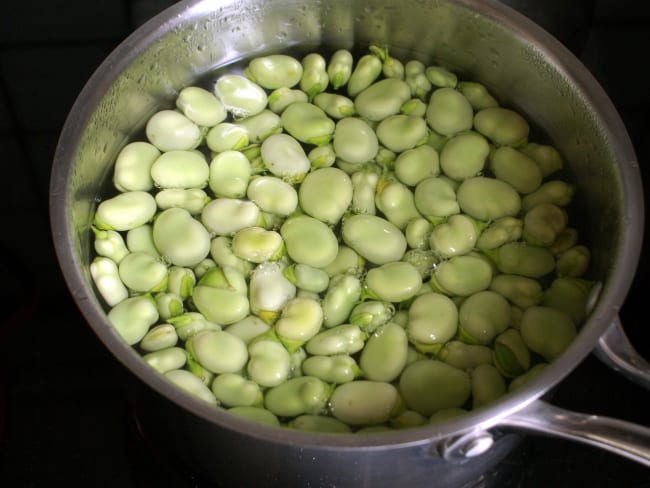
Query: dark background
(64, 416)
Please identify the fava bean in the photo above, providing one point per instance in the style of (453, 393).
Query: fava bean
(382, 99)
(141, 272)
(218, 351)
(341, 339)
(488, 198)
(396, 201)
(391, 67)
(314, 75)
(193, 200)
(350, 402)
(445, 414)
(415, 107)
(109, 244)
(416, 164)
(569, 295)
(547, 157)
(502, 126)
(417, 233)
(462, 275)
(384, 356)
(240, 96)
(374, 238)
(543, 223)
(221, 252)
(477, 95)
(429, 385)
(435, 199)
(432, 321)
(261, 125)
(125, 211)
(464, 155)
(226, 216)
(296, 396)
(269, 362)
(274, 71)
(200, 106)
(367, 69)
(189, 323)
(564, 241)
(339, 68)
(347, 260)
(164, 360)
(106, 276)
(354, 141)
(233, 390)
(482, 316)
(332, 369)
(522, 259)
(300, 320)
(257, 245)
(140, 239)
(191, 384)
(520, 290)
(401, 132)
(528, 376)
(170, 130)
(326, 194)
(222, 306)
(322, 156)
(441, 77)
(309, 241)
(319, 423)
(465, 356)
(248, 328)
(256, 414)
(515, 168)
(308, 123)
(343, 293)
(281, 98)
(424, 261)
(556, 192)
(500, 232)
(371, 314)
(416, 78)
(573, 262)
(511, 355)
(159, 337)
(285, 157)
(180, 238)
(335, 105)
(269, 291)
(395, 281)
(547, 331)
(455, 237)
(487, 385)
(132, 317)
(226, 136)
(449, 112)
(133, 166)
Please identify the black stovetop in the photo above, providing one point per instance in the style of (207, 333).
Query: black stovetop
(64, 414)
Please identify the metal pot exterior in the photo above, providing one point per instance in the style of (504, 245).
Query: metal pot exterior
(481, 40)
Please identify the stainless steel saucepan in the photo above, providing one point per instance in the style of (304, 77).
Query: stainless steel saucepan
(483, 40)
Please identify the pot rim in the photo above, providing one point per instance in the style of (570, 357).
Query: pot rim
(604, 312)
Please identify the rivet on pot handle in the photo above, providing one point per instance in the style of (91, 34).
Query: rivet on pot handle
(618, 436)
(615, 350)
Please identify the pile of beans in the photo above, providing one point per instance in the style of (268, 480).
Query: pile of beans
(341, 245)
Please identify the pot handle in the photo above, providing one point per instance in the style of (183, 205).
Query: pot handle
(615, 350)
(618, 436)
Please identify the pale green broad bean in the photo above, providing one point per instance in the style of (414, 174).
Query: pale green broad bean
(557, 192)
(528, 376)
(522, 291)
(256, 414)
(417, 233)
(241, 97)
(326, 194)
(125, 211)
(203, 267)
(257, 245)
(432, 321)
(573, 262)
(445, 414)
(435, 199)
(543, 223)
(300, 320)
(248, 328)
(364, 73)
(132, 317)
(354, 141)
(370, 314)
(455, 237)
(415, 107)
(407, 419)
(397, 202)
(170, 130)
(319, 423)
(483, 316)
(226, 136)
(402, 132)
(416, 78)
(191, 384)
(335, 105)
(569, 295)
(269, 361)
(307, 123)
(522, 259)
(487, 385)
(220, 305)
(133, 166)
(281, 98)
(340, 68)
(424, 261)
(499, 232)
(109, 244)
(487, 198)
(221, 252)
(347, 260)
(296, 396)
(161, 336)
(465, 356)
(441, 77)
(547, 157)
(269, 290)
(374, 238)
(274, 71)
(547, 331)
(322, 156)
(106, 276)
(477, 95)
(200, 106)
(416, 164)
(464, 155)
(395, 281)
(180, 238)
(218, 351)
(502, 126)
(349, 402)
(391, 67)
(564, 241)
(189, 323)
(511, 355)
(233, 390)
(180, 169)
(225, 216)
(261, 125)
(168, 359)
(515, 168)
(283, 156)
(382, 99)
(141, 273)
(332, 369)
(140, 239)
(314, 75)
(343, 293)
(192, 199)
(364, 186)
(462, 275)
(449, 112)
(309, 241)
(340, 339)
(384, 356)
(429, 385)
